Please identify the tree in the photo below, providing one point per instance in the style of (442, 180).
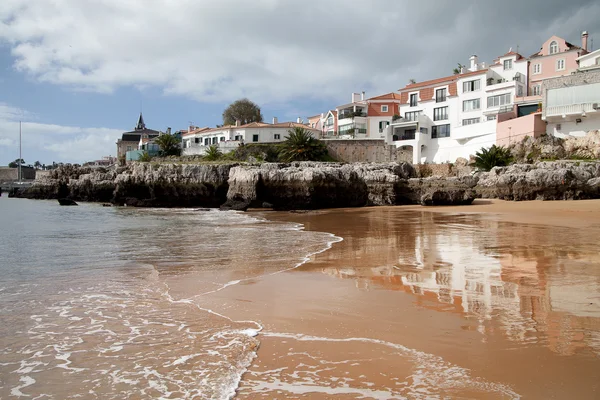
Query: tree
(243, 110)
(495, 156)
(299, 145)
(169, 145)
(212, 153)
(15, 164)
(458, 69)
(37, 165)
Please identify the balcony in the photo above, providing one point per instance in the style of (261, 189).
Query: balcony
(571, 109)
(351, 114)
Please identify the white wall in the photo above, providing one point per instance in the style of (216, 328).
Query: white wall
(572, 128)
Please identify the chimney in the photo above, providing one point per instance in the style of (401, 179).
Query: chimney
(322, 115)
(362, 95)
(237, 122)
(474, 61)
(584, 40)
(168, 130)
(274, 120)
(299, 120)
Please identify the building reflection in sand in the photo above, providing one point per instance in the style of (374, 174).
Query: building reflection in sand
(537, 283)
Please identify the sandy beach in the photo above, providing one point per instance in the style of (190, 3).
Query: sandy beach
(494, 300)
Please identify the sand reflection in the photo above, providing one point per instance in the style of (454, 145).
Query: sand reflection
(534, 283)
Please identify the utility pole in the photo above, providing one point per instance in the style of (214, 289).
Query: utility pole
(20, 155)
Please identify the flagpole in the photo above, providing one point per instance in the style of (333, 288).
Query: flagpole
(20, 155)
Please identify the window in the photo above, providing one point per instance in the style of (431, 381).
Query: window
(558, 127)
(412, 116)
(214, 140)
(383, 125)
(413, 100)
(492, 117)
(560, 64)
(440, 113)
(255, 138)
(520, 91)
(537, 69)
(471, 105)
(329, 121)
(553, 47)
(471, 86)
(507, 64)
(197, 140)
(440, 95)
(499, 100)
(277, 136)
(598, 61)
(129, 148)
(440, 131)
(409, 134)
(238, 137)
(206, 141)
(537, 90)
(423, 131)
(384, 108)
(222, 139)
(471, 121)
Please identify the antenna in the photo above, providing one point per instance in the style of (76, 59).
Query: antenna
(20, 155)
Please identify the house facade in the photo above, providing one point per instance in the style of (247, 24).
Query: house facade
(130, 141)
(571, 104)
(380, 114)
(229, 137)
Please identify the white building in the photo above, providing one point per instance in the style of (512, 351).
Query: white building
(455, 116)
(571, 104)
(589, 61)
(229, 137)
(352, 117)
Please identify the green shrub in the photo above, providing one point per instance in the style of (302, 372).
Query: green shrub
(299, 145)
(495, 156)
(145, 157)
(213, 153)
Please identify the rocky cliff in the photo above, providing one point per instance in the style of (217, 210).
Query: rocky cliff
(309, 185)
(558, 180)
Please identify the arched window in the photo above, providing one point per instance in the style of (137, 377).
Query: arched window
(553, 47)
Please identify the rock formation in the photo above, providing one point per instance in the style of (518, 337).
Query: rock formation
(558, 180)
(310, 185)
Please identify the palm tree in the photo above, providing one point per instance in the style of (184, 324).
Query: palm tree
(299, 145)
(213, 153)
(169, 145)
(495, 156)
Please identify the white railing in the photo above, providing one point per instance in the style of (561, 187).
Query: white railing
(571, 109)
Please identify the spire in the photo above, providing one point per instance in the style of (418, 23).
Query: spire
(140, 124)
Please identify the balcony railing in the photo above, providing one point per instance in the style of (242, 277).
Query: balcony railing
(404, 135)
(572, 109)
(352, 114)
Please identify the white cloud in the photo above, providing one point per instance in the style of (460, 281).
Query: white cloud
(271, 50)
(49, 142)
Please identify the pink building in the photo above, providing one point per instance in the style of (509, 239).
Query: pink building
(557, 57)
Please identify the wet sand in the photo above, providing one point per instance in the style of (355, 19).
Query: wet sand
(493, 300)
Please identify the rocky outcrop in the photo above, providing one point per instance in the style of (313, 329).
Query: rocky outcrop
(557, 180)
(548, 147)
(309, 185)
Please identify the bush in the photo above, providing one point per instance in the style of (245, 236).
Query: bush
(299, 145)
(145, 157)
(213, 153)
(495, 156)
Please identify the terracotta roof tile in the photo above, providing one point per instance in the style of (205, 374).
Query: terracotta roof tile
(387, 96)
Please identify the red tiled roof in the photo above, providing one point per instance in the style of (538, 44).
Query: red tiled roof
(388, 96)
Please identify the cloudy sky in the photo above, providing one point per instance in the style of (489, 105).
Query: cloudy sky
(78, 71)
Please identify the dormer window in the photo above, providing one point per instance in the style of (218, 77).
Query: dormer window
(553, 47)
(507, 64)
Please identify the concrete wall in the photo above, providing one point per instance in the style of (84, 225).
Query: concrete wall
(12, 174)
(366, 151)
(514, 130)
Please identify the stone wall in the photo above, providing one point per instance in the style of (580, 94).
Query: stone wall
(12, 174)
(366, 150)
